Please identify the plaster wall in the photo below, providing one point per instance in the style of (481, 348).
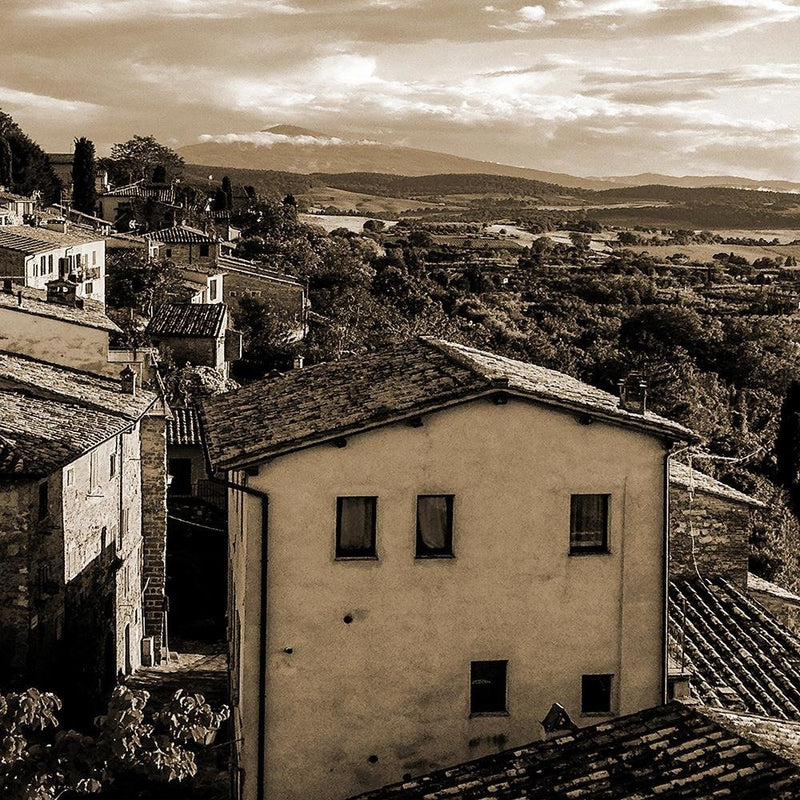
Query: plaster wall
(56, 341)
(355, 706)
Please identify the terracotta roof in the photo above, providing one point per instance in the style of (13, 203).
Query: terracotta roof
(692, 479)
(340, 398)
(188, 319)
(37, 378)
(34, 301)
(51, 415)
(30, 240)
(256, 270)
(181, 234)
(162, 194)
(740, 657)
(756, 584)
(184, 428)
(672, 751)
(15, 197)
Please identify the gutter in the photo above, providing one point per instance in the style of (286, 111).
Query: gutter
(262, 626)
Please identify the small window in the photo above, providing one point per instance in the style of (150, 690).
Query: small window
(232, 294)
(487, 689)
(204, 251)
(70, 476)
(123, 527)
(596, 694)
(43, 500)
(168, 252)
(434, 525)
(355, 527)
(112, 465)
(89, 288)
(94, 258)
(50, 264)
(42, 264)
(212, 290)
(588, 523)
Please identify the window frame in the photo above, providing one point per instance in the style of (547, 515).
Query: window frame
(576, 549)
(421, 550)
(43, 501)
(598, 712)
(496, 712)
(366, 554)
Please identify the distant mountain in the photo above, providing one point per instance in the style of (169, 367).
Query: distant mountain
(288, 148)
(699, 182)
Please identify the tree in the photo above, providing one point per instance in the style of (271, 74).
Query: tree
(31, 170)
(227, 190)
(132, 746)
(140, 157)
(269, 334)
(84, 174)
(5, 163)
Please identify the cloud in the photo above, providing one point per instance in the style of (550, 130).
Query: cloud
(54, 105)
(87, 11)
(268, 139)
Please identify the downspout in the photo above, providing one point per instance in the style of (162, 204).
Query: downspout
(262, 650)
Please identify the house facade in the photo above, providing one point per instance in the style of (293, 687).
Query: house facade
(430, 546)
(72, 535)
(15, 208)
(35, 256)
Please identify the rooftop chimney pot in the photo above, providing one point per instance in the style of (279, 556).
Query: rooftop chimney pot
(633, 393)
(128, 378)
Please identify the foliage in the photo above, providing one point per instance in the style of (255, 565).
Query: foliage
(139, 158)
(186, 384)
(269, 334)
(31, 169)
(40, 761)
(84, 173)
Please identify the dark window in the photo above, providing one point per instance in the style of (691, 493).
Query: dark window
(89, 288)
(588, 523)
(204, 250)
(181, 471)
(168, 252)
(434, 525)
(355, 527)
(596, 694)
(487, 687)
(212, 290)
(112, 465)
(43, 500)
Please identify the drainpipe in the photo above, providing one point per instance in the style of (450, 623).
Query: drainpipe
(262, 627)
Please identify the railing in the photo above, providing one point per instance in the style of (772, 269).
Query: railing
(213, 493)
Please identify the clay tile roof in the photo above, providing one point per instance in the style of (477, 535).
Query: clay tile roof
(34, 301)
(37, 378)
(740, 657)
(181, 234)
(15, 197)
(689, 478)
(340, 398)
(233, 264)
(162, 194)
(206, 320)
(30, 240)
(675, 751)
(183, 429)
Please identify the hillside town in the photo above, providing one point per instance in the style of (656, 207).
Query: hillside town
(464, 500)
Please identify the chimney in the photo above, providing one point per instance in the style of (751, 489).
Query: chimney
(633, 393)
(298, 362)
(63, 292)
(557, 722)
(128, 378)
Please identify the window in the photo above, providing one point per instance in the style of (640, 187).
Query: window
(588, 523)
(42, 264)
(487, 687)
(112, 465)
(232, 294)
(180, 469)
(123, 527)
(204, 251)
(355, 527)
(50, 264)
(43, 500)
(94, 258)
(212, 290)
(596, 694)
(89, 288)
(434, 525)
(94, 470)
(70, 476)
(168, 253)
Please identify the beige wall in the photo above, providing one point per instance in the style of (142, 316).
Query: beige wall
(395, 683)
(56, 341)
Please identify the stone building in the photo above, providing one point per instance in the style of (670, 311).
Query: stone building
(35, 256)
(195, 333)
(15, 208)
(429, 546)
(72, 546)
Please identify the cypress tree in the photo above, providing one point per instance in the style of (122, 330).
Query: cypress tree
(5, 163)
(84, 173)
(228, 190)
(31, 169)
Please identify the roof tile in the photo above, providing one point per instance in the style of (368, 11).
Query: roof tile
(188, 319)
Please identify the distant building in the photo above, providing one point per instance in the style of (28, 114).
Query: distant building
(74, 535)
(35, 256)
(197, 334)
(429, 546)
(120, 204)
(186, 246)
(15, 208)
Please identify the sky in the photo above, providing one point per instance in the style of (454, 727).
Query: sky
(586, 87)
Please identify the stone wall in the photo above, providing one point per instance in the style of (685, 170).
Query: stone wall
(154, 529)
(283, 296)
(721, 531)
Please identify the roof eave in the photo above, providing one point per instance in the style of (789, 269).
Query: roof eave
(669, 433)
